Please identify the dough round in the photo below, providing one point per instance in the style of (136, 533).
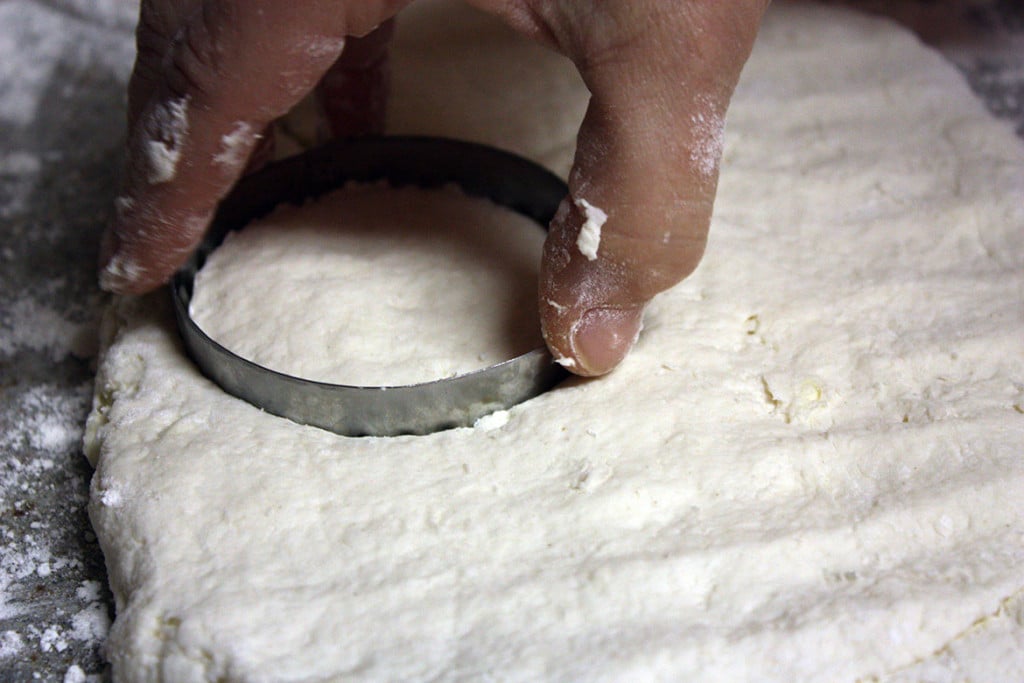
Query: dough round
(376, 286)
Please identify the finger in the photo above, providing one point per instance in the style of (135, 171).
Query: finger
(353, 93)
(643, 182)
(233, 67)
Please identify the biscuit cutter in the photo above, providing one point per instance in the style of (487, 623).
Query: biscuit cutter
(480, 171)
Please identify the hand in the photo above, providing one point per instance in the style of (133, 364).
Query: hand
(212, 75)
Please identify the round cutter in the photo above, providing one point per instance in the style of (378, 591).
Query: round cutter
(459, 401)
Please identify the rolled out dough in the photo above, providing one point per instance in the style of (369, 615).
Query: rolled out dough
(810, 469)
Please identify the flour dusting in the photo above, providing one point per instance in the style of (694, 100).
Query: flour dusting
(234, 145)
(165, 131)
(324, 46)
(29, 324)
(41, 430)
(709, 140)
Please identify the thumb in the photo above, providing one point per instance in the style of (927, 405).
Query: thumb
(643, 182)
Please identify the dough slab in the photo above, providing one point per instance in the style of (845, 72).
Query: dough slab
(810, 469)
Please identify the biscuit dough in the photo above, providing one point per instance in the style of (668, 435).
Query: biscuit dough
(811, 468)
(376, 286)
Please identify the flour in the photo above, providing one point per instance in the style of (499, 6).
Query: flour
(495, 420)
(808, 468)
(11, 644)
(322, 47)
(91, 623)
(234, 145)
(28, 29)
(74, 674)
(62, 69)
(41, 429)
(118, 269)
(164, 136)
(48, 425)
(709, 135)
(28, 324)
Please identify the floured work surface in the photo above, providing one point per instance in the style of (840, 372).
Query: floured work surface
(811, 468)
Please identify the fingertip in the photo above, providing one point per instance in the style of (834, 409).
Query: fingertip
(602, 338)
(594, 341)
(142, 248)
(590, 314)
(119, 271)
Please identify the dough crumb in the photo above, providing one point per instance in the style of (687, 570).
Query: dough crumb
(589, 238)
(495, 420)
(112, 498)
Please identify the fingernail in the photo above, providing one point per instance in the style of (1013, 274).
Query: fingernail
(603, 337)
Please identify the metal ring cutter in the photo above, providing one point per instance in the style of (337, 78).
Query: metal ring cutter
(481, 171)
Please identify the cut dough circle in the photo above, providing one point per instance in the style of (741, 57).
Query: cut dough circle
(374, 285)
(809, 468)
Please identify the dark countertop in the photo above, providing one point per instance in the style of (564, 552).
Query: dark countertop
(64, 64)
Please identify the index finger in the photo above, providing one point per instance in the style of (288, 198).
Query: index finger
(233, 67)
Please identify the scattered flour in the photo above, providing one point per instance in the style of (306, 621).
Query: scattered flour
(52, 639)
(75, 674)
(40, 431)
(89, 591)
(11, 644)
(91, 623)
(29, 324)
(48, 420)
(29, 53)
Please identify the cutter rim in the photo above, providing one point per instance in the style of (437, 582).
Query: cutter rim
(376, 410)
